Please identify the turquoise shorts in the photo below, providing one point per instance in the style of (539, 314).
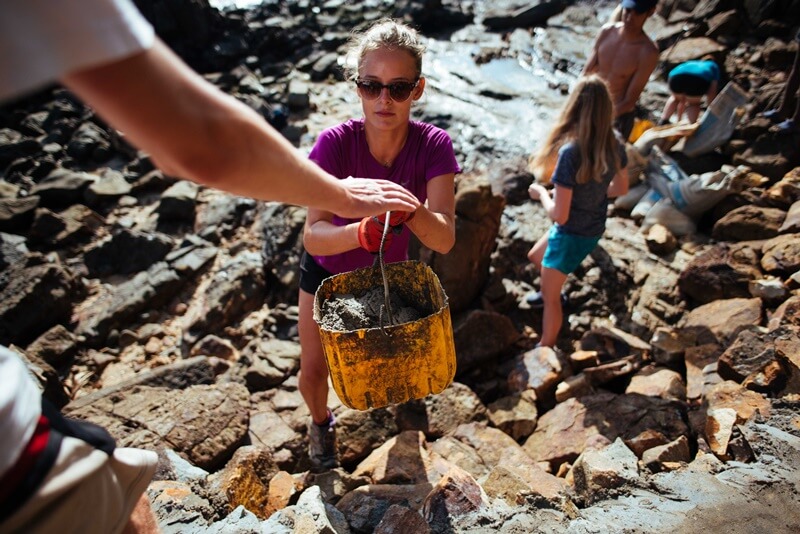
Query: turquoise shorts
(565, 252)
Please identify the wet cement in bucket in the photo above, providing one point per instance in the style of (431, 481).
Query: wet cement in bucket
(347, 312)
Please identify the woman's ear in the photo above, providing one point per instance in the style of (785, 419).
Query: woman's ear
(419, 89)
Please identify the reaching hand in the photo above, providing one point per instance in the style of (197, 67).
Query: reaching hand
(368, 196)
(370, 231)
(536, 191)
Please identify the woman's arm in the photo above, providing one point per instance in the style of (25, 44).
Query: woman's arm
(619, 184)
(434, 223)
(195, 131)
(323, 238)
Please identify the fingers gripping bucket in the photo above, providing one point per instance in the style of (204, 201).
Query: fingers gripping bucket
(370, 369)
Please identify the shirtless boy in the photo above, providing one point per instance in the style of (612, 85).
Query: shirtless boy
(625, 57)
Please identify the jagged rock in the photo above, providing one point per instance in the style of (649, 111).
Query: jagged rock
(365, 430)
(458, 453)
(216, 346)
(781, 254)
(786, 313)
(16, 214)
(57, 346)
(654, 382)
(607, 372)
(481, 336)
(540, 370)
(274, 360)
(179, 510)
(13, 249)
(515, 414)
(674, 451)
(723, 271)
(126, 252)
(745, 403)
(719, 428)
(401, 520)
(403, 459)
(749, 223)
(724, 318)
(457, 493)
(172, 466)
(437, 415)
(646, 441)
(310, 514)
(334, 483)
(574, 386)
(109, 187)
(464, 270)
(612, 343)
(178, 202)
(660, 240)
(769, 290)
(34, 299)
(752, 359)
(268, 430)
(282, 488)
(62, 187)
(238, 289)
(365, 506)
(89, 141)
(563, 432)
(148, 289)
(205, 424)
(792, 222)
(597, 471)
(245, 480)
(697, 358)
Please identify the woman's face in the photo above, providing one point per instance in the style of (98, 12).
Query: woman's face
(387, 67)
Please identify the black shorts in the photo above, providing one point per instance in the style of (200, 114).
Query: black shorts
(689, 85)
(311, 274)
(624, 125)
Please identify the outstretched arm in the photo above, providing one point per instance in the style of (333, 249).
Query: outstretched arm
(193, 130)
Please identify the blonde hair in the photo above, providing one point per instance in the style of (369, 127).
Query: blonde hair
(388, 34)
(586, 119)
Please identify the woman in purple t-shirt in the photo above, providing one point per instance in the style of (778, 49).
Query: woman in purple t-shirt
(384, 144)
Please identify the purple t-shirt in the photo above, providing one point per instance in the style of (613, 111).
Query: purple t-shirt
(342, 151)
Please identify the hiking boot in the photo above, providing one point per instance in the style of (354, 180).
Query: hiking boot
(322, 445)
(535, 300)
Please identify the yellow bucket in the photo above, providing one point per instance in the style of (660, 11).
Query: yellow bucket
(374, 367)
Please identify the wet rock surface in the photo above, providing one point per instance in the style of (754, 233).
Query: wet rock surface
(167, 312)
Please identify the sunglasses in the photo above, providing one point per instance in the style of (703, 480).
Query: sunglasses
(399, 91)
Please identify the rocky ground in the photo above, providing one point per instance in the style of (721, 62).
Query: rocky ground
(166, 312)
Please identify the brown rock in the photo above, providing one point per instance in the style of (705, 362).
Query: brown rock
(675, 451)
(731, 395)
(401, 520)
(722, 271)
(646, 440)
(719, 428)
(697, 358)
(437, 415)
(282, 487)
(792, 222)
(753, 357)
(461, 454)
(481, 336)
(786, 313)
(538, 369)
(245, 480)
(749, 223)
(781, 254)
(403, 459)
(456, 494)
(660, 240)
(365, 431)
(564, 432)
(515, 414)
(653, 382)
(365, 506)
(724, 318)
(598, 470)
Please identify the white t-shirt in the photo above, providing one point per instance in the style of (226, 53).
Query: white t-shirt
(42, 40)
(20, 407)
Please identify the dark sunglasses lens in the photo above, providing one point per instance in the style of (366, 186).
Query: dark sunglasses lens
(370, 90)
(400, 91)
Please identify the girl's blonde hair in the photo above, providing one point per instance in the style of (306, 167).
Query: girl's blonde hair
(586, 119)
(388, 34)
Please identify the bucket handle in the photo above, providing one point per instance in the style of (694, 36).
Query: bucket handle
(386, 303)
